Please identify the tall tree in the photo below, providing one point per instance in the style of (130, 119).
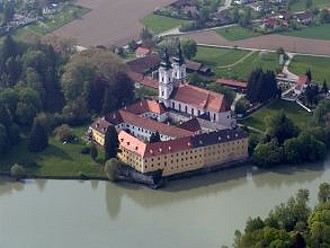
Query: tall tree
(189, 48)
(111, 143)
(38, 140)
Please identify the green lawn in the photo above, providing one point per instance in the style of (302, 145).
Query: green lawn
(60, 160)
(296, 113)
(214, 57)
(67, 14)
(158, 24)
(300, 5)
(236, 33)
(319, 66)
(321, 32)
(242, 70)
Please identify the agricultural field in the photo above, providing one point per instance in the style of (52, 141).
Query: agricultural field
(109, 21)
(293, 111)
(236, 33)
(61, 160)
(242, 70)
(300, 5)
(319, 67)
(52, 22)
(321, 32)
(158, 24)
(214, 57)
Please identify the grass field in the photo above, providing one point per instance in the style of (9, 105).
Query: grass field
(158, 24)
(242, 70)
(321, 32)
(67, 14)
(214, 57)
(300, 5)
(319, 66)
(60, 160)
(292, 110)
(236, 33)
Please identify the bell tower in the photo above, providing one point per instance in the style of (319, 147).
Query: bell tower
(179, 67)
(165, 79)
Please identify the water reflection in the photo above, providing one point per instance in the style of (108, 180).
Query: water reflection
(113, 197)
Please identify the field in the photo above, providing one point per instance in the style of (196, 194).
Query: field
(268, 42)
(293, 111)
(215, 57)
(321, 32)
(60, 160)
(158, 24)
(236, 33)
(110, 21)
(242, 70)
(300, 5)
(319, 66)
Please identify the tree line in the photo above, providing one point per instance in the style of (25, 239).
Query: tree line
(44, 84)
(291, 225)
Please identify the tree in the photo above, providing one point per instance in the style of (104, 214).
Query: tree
(268, 154)
(145, 34)
(325, 88)
(309, 75)
(111, 143)
(93, 151)
(38, 140)
(324, 193)
(64, 133)
(279, 126)
(110, 169)
(17, 171)
(309, 4)
(155, 137)
(189, 48)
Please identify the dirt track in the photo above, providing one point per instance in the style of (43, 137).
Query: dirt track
(110, 21)
(270, 42)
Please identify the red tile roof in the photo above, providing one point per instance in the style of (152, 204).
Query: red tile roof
(149, 82)
(100, 125)
(146, 105)
(231, 83)
(200, 98)
(142, 51)
(135, 76)
(301, 82)
(131, 143)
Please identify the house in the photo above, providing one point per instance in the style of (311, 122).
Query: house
(200, 68)
(301, 84)
(305, 18)
(141, 52)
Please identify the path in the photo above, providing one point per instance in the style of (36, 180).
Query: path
(237, 62)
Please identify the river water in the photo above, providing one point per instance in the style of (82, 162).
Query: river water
(197, 212)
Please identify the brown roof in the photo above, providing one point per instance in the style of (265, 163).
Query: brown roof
(145, 64)
(231, 83)
(301, 82)
(149, 82)
(122, 116)
(191, 125)
(135, 76)
(200, 98)
(146, 105)
(194, 66)
(100, 125)
(142, 51)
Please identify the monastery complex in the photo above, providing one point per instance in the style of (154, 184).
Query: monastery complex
(195, 126)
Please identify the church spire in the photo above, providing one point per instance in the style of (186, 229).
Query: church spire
(166, 63)
(179, 56)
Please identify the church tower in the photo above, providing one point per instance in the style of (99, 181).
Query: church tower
(179, 67)
(165, 79)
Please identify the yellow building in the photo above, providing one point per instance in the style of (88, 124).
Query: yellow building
(184, 154)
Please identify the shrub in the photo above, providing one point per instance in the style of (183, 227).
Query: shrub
(64, 133)
(85, 150)
(17, 171)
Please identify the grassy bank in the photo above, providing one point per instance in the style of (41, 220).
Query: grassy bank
(65, 15)
(236, 33)
(58, 160)
(313, 32)
(300, 5)
(296, 113)
(242, 70)
(318, 65)
(158, 24)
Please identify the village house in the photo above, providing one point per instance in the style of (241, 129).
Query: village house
(204, 134)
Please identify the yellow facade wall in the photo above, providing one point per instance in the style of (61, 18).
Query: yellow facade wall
(98, 137)
(178, 162)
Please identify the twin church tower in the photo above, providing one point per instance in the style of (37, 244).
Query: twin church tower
(171, 74)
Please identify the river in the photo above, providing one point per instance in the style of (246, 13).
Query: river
(198, 212)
